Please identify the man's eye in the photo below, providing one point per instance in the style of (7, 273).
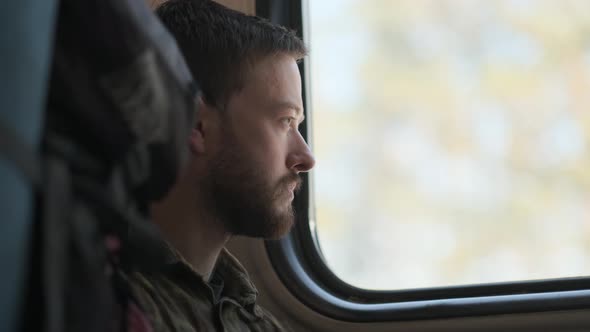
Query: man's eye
(287, 121)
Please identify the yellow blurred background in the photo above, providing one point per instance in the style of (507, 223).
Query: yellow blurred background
(451, 139)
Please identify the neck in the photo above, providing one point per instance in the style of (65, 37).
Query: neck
(190, 227)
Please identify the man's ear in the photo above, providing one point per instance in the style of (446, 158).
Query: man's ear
(201, 128)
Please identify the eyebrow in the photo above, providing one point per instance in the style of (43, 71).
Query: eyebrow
(286, 104)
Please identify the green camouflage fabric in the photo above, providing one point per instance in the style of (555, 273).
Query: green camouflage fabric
(177, 299)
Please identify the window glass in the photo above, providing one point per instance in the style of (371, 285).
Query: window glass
(451, 139)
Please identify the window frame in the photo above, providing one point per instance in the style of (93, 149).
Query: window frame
(298, 261)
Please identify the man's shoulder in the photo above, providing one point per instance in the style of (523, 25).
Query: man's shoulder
(239, 287)
(175, 296)
(172, 284)
(169, 305)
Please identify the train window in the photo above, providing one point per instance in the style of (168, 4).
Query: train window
(452, 173)
(452, 140)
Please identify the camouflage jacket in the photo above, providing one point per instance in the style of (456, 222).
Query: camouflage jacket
(176, 298)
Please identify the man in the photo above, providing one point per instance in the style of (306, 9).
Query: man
(246, 157)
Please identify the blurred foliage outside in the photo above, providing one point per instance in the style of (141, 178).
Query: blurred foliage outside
(451, 139)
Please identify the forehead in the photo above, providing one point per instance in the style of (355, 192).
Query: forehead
(274, 79)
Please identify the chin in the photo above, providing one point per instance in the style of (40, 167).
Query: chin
(281, 228)
(279, 234)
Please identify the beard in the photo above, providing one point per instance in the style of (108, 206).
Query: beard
(241, 195)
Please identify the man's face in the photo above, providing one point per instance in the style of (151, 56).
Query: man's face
(254, 171)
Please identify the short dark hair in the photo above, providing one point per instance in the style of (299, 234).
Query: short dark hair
(220, 44)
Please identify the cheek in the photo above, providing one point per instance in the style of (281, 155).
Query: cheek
(265, 146)
(270, 158)
(271, 145)
(276, 151)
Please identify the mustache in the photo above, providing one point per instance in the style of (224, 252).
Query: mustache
(290, 179)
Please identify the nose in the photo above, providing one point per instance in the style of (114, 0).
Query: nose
(300, 158)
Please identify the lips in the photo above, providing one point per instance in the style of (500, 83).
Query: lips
(291, 191)
(293, 186)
